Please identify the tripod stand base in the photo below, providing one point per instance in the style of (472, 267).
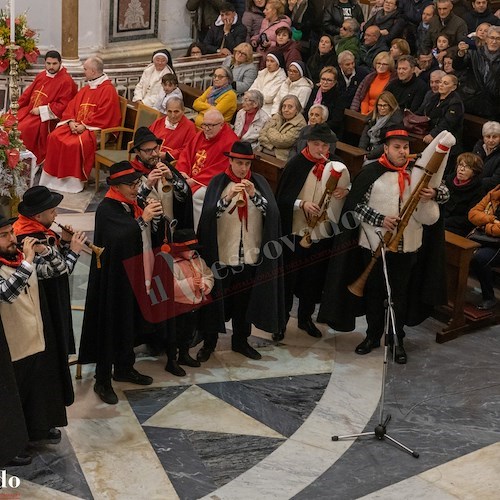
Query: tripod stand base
(380, 432)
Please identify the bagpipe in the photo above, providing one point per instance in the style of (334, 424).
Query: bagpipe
(427, 172)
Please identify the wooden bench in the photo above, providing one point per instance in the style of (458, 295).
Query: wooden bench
(190, 94)
(270, 167)
(459, 252)
(473, 130)
(352, 156)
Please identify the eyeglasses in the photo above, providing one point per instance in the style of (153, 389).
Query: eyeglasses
(327, 80)
(382, 105)
(495, 38)
(150, 151)
(463, 166)
(382, 64)
(135, 184)
(210, 126)
(219, 77)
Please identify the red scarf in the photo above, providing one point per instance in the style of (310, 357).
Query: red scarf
(319, 165)
(140, 167)
(249, 118)
(24, 226)
(15, 262)
(116, 195)
(403, 175)
(461, 183)
(242, 211)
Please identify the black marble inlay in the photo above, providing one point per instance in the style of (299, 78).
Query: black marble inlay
(198, 463)
(281, 403)
(56, 467)
(445, 403)
(148, 402)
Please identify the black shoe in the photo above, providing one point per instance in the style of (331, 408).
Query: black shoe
(20, 460)
(106, 393)
(310, 328)
(52, 436)
(204, 354)
(486, 305)
(247, 350)
(367, 345)
(278, 337)
(173, 367)
(134, 377)
(400, 355)
(185, 359)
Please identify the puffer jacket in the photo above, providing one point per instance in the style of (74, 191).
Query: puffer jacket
(269, 84)
(485, 213)
(252, 19)
(334, 16)
(301, 89)
(480, 83)
(278, 135)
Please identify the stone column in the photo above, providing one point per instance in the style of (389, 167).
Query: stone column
(69, 33)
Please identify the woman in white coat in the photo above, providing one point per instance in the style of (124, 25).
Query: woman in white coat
(251, 118)
(149, 87)
(270, 79)
(296, 84)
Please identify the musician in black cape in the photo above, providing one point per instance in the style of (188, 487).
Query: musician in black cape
(113, 319)
(376, 198)
(242, 247)
(13, 435)
(299, 191)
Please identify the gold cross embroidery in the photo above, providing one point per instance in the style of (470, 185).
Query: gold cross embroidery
(37, 98)
(84, 112)
(199, 162)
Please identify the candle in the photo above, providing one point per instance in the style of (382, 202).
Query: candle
(12, 21)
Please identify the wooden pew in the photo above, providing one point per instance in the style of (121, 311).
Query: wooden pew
(270, 167)
(473, 130)
(354, 123)
(459, 252)
(190, 94)
(352, 156)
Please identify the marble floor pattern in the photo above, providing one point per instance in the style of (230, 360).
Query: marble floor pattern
(243, 429)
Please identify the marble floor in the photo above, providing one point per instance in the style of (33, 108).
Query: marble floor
(243, 429)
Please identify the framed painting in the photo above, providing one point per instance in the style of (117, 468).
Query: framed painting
(133, 20)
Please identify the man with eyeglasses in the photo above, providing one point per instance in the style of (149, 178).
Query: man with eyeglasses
(161, 181)
(480, 83)
(203, 158)
(113, 320)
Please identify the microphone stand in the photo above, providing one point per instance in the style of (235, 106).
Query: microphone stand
(380, 431)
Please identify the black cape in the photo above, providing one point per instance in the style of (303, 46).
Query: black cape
(13, 435)
(339, 308)
(266, 309)
(112, 314)
(292, 180)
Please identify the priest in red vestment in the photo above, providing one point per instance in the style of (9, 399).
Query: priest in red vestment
(175, 129)
(203, 158)
(71, 147)
(42, 104)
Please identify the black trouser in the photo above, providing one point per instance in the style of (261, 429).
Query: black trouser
(237, 283)
(483, 260)
(399, 267)
(185, 328)
(305, 272)
(124, 362)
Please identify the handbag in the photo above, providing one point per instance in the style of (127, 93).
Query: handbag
(415, 124)
(479, 236)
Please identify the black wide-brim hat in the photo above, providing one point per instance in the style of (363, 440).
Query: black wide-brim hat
(321, 132)
(242, 150)
(122, 173)
(37, 199)
(5, 222)
(397, 133)
(142, 135)
(184, 238)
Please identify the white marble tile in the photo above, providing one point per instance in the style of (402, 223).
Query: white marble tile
(476, 475)
(190, 409)
(414, 488)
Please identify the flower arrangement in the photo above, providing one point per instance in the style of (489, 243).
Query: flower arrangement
(26, 52)
(13, 172)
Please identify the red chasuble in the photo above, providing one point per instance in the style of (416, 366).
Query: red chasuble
(202, 159)
(72, 155)
(174, 141)
(54, 92)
